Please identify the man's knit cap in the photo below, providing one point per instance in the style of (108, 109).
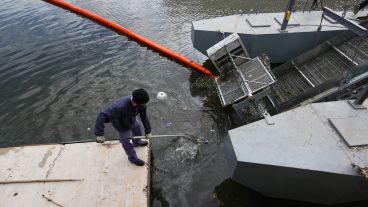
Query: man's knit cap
(140, 96)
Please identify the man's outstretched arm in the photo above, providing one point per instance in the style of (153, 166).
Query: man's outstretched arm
(101, 119)
(145, 121)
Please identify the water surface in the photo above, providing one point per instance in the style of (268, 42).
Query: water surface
(58, 70)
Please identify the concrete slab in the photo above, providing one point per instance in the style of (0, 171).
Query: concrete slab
(254, 21)
(350, 129)
(104, 176)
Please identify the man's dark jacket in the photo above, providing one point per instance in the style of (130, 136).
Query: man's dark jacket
(122, 114)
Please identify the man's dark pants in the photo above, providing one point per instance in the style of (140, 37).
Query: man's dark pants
(135, 130)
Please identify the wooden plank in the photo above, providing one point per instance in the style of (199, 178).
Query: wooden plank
(106, 177)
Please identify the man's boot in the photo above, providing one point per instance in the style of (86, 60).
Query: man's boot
(138, 162)
(140, 143)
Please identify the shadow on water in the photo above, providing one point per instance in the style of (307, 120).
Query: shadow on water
(231, 194)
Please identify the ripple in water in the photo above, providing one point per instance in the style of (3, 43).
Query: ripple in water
(178, 154)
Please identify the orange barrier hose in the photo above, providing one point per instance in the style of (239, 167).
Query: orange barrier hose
(121, 30)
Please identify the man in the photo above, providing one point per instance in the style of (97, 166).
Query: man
(122, 114)
(360, 6)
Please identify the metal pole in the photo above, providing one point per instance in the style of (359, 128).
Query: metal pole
(136, 137)
(257, 9)
(288, 11)
(305, 5)
(159, 136)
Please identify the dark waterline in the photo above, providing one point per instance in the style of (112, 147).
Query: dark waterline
(58, 70)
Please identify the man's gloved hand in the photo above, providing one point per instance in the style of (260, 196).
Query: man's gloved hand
(100, 139)
(148, 136)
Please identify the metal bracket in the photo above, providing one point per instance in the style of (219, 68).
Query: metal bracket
(362, 96)
(354, 27)
(268, 118)
(282, 31)
(356, 106)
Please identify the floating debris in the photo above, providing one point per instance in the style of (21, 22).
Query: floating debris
(362, 170)
(162, 96)
(169, 124)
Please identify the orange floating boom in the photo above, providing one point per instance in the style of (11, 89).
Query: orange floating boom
(121, 30)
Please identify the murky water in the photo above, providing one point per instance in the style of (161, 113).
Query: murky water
(58, 70)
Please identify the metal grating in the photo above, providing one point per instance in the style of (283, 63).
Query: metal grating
(219, 53)
(325, 67)
(320, 69)
(256, 75)
(232, 87)
(356, 48)
(288, 86)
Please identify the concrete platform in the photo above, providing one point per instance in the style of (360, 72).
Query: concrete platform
(103, 176)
